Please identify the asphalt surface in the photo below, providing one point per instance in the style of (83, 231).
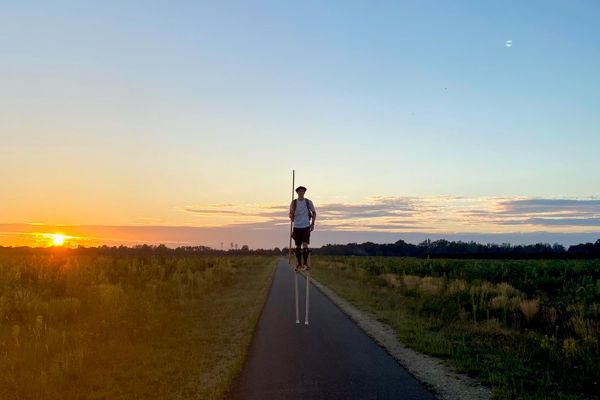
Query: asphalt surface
(331, 358)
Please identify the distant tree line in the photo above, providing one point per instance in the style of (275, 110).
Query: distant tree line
(434, 249)
(450, 249)
(146, 249)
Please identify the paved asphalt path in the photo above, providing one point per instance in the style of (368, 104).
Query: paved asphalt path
(331, 358)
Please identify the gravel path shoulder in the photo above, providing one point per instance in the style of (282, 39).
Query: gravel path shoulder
(440, 378)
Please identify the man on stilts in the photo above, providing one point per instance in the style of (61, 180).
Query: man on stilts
(303, 214)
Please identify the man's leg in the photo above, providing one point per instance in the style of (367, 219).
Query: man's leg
(298, 255)
(305, 252)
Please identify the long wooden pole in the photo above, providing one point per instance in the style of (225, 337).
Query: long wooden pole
(296, 294)
(291, 221)
(290, 253)
(307, 293)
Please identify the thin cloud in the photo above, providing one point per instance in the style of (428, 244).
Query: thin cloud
(539, 206)
(390, 227)
(213, 212)
(548, 222)
(436, 213)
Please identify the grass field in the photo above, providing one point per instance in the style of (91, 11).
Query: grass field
(529, 329)
(80, 325)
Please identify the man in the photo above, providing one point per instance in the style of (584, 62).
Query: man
(303, 213)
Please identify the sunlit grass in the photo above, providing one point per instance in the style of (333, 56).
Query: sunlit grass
(119, 326)
(521, 338)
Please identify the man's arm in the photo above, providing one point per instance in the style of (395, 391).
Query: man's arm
(291, 212)
(312, 213)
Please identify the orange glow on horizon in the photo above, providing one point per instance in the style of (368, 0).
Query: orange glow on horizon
(56, 239)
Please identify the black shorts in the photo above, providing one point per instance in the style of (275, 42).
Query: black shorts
(301, 235)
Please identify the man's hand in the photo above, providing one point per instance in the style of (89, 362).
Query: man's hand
(312, 227)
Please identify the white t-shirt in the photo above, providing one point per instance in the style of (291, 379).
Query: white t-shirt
(301, 219)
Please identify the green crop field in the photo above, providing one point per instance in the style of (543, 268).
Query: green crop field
(89, 325)
(529, 329)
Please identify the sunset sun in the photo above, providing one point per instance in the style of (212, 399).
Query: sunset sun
(58, 239)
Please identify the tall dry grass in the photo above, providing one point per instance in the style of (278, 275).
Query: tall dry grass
(529, 308)
(78, 326)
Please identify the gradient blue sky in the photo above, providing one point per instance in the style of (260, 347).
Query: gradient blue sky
(130, 113)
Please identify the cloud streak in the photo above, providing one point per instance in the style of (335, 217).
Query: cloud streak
(553, 204)
(437, 214)
(595, 222)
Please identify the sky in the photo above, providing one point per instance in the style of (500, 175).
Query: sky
(180, 122)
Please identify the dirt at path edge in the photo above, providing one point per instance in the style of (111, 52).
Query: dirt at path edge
(440, 378)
